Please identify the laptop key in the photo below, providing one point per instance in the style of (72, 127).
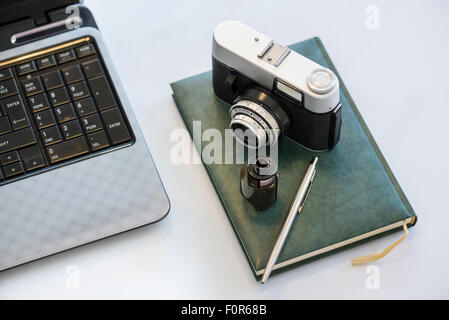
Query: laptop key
(16, 140)
(78, 90)
(9, 157)
(65, 56)
(5, 126)
(117, 129)
(71, 130)
(102, 93)
(32, 158)
(85, 107)
(32, 85)
(7, 88)
(45, 62)
(67, 149)
(65, 113)
(92, 68)
(26, 68)
(45, 119)
(98, 140)
(5, 74)
(13, 169)
(72, 74)
(51, 135)
(52, 80)
(92, 123)
(85, 50)
(58, 96)
(38, 102)
(16, 113)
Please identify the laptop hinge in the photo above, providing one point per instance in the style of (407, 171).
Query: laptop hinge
(46, 29)
(38, 27)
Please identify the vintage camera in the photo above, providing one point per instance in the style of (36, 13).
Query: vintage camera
(273, 91)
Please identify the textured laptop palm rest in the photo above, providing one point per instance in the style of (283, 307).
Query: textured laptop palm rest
(354, 191)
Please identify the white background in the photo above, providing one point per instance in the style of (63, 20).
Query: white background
(398, 77)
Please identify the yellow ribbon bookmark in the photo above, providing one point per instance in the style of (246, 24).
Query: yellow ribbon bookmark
(376, 256)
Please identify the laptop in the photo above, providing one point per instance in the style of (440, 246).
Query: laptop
(74, 165)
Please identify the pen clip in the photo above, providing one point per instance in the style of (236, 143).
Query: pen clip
(308, 191)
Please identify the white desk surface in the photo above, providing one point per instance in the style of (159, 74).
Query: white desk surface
(398, 77)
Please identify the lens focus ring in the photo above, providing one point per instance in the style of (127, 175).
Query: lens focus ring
(261, 120)
(247, 131)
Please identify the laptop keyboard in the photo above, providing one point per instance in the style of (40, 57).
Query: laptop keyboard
(57, 105)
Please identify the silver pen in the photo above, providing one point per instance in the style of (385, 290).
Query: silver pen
(296, 207)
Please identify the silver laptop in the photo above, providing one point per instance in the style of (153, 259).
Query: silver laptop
(74, 166)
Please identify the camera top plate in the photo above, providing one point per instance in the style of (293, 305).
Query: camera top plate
(249, 51)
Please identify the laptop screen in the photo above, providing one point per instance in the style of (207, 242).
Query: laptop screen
(15, 10)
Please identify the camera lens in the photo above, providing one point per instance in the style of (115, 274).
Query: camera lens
(247, 131)
(257, 119)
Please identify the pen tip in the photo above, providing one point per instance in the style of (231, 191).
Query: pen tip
(314, 160)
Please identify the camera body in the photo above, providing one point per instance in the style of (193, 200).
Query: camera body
(274, 91)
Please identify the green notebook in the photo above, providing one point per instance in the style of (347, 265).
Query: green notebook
(354, 194)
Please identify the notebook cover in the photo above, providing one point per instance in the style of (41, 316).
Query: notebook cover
(354, 191)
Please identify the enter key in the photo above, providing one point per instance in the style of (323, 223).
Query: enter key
(116, 126)
(16, 112)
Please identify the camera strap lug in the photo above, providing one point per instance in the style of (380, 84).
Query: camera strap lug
(335, 125)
